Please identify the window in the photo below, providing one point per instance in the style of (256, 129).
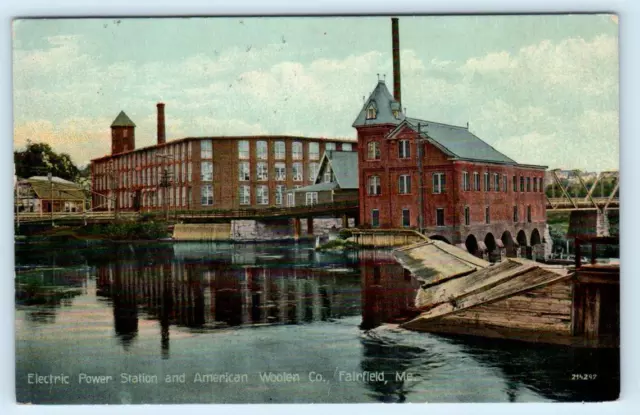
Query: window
(371, 112)
(487, 183)
(243, 150)
(347, 147)
(296, 150)
(262, 195)
(521, 184)
(487, 215)
(535, 184)
(529, 213)
(206, 195)
(245, 195)
(279, 193)
(297, 172)
(406, 218)
(206, 171)
(515, 184)
(206, 149)
(261, 150)
(440, 217)
(528, 184)
(438, 183)
(244, 172)
(404, 149)
(280, 172)
(189, 169)
(291, 199)
(311, 198)
(314, 151)
(467, 216)
(373, 185)
(540, 187)
(373, 150)
(313, 171)
(465, 181)
(329, 146)
(328, 175)
(476, 181)
(404, 184)
(515, 214)
(496, 182)
(375, 218)
(279, 150)
(504, 183)
(262, 172)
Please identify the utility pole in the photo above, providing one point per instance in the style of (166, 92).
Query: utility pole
(165, 183)
(50, 177)
(419, 144)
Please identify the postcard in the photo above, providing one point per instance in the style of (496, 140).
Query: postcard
(299, 209)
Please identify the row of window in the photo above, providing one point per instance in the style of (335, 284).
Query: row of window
(180, 152)
(151, 176)
(404, 150)
(279, 150)
(176, 197)
(498, 182)
(440, 218)
(279, 171)
(404, 184)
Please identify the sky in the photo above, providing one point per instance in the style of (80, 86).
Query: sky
(541, 89)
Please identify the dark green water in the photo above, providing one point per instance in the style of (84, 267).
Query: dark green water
(218, 323)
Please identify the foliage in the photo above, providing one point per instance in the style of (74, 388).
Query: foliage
(127, 230)
(345, 234)
(39, 159)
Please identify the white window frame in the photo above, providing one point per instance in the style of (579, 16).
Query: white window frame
(465, 181)
(296, 150)
(313, 170)
(206, 175)
(262, 194)
(279, 150)
(280, 171)
(206, 149)
(314, 151)
(346, 146)
(244, 195)
(404, 149)
(280, 189)
(204, 193)
(244, 171)
(404, 184)
(329, 146)
(439, 183)
(374, 187)
(243, 154)
(262, 171)
(262, 150)
(311, 198)
(297, 172)
(373, 150)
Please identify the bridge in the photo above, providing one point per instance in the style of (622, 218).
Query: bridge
(336, 209)
(577, 190)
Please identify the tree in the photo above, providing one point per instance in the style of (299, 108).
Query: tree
(39, 159)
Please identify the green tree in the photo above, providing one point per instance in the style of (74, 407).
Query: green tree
(39, 159)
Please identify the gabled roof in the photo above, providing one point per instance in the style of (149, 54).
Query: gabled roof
(384, 102)
(454, 140)
(62, 189)
(344, 165)
(122, 120)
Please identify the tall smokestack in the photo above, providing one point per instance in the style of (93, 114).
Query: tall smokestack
(395, 44)
(161, 132)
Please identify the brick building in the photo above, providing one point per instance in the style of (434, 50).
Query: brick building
(443, 179)
(195, 173)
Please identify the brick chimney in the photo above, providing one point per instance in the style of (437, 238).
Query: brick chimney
(395, 45)
(161, 131)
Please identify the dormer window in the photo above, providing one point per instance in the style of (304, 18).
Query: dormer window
(396, 114)
(371, 112)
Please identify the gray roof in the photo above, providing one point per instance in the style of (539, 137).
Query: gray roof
(344, 165)
(122, 120)
(319, 187)
(382, 99)
(456, 141)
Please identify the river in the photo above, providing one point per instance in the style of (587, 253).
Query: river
(260, 323)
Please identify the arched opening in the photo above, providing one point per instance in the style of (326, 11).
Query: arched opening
(472, 245)
(439, 238)
(490, 243)
(509, 245)
(535, 237)
(525, 249)
(522, 238)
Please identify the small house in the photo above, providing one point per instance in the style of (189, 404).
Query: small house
(335, 181)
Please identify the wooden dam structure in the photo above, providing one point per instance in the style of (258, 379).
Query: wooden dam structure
(515, 299)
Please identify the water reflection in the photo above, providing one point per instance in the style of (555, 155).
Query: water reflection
(228, 288)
